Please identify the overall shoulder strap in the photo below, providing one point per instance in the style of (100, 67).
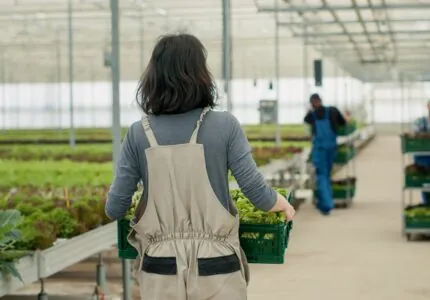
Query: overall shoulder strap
(193, 139)
(148, 132)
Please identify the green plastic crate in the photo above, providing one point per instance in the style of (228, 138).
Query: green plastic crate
(257, 249)
(417, 181)
(417, 222)
(344, 192)
(410, 144)
(345, 156)
(347, 130)
(264, 244)
(125, 250)
(340, 193)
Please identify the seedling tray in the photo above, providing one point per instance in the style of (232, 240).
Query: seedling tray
(264, 244)
(411, 144)
(125, 250)
(417, 181)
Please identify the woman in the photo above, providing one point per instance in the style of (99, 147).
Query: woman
(185, 228)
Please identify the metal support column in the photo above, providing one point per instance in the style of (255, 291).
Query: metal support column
(3, 88)
(227, 51)
(101, 275)
(336, 85)
(116, 121)
(72, 126)
(141, 43)
(93, 94)
(373, 105)
(277, 75)
(58, 75)
(305, 64)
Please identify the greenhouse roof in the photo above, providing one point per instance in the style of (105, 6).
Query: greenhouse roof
(374, 40)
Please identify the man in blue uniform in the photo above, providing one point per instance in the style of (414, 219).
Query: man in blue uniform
(324, 122)
(422, 125)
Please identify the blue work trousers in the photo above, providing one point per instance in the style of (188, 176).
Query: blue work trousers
(423, 160)
(323, 159)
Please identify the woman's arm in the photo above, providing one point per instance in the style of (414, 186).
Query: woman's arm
(125, 181)
(249, 179)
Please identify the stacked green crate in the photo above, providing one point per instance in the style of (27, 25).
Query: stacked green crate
(416, 217)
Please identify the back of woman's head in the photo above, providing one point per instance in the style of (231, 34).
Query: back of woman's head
(177, 78)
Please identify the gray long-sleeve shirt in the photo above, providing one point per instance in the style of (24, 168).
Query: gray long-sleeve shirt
(226, 148)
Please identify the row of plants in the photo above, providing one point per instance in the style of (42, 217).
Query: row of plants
(9, 236)
(102, 134)
(102, 153)
(51, 214)
(15, 174)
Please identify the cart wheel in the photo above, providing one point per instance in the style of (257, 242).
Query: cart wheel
(341, 205)
(408, 237)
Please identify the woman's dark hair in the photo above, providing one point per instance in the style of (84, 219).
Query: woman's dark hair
(177, 78)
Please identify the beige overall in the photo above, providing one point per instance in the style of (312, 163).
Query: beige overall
(188, 243)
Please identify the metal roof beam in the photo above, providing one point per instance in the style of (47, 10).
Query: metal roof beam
(352, 22)
(360, 18)
(415, 40)
(345, 31)
(402, 51)
(329, 34)
(316, 8)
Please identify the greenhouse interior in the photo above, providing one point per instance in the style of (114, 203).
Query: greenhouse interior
(69, 75)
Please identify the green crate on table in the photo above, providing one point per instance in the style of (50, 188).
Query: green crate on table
(415, 144)
(417, 216)
(340, 193)
(417, 222)
(344, 157)
(125, 250)
(263, 243)
(347, 130)
(417, 181)
(343, 193)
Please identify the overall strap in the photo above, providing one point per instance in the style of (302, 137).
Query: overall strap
(193, 139)
(148, 131)
(326, 112)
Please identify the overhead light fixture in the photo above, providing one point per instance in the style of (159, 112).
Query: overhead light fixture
(161, 11)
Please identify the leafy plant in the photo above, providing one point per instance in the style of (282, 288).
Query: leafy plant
(9, 235)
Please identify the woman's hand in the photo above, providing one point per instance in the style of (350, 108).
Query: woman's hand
(283, 205)
(289, 212)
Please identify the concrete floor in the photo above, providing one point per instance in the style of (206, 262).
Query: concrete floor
(354, 254)
(357, 253)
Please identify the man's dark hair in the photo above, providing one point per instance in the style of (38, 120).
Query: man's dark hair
(177, 78)
(315, 97)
